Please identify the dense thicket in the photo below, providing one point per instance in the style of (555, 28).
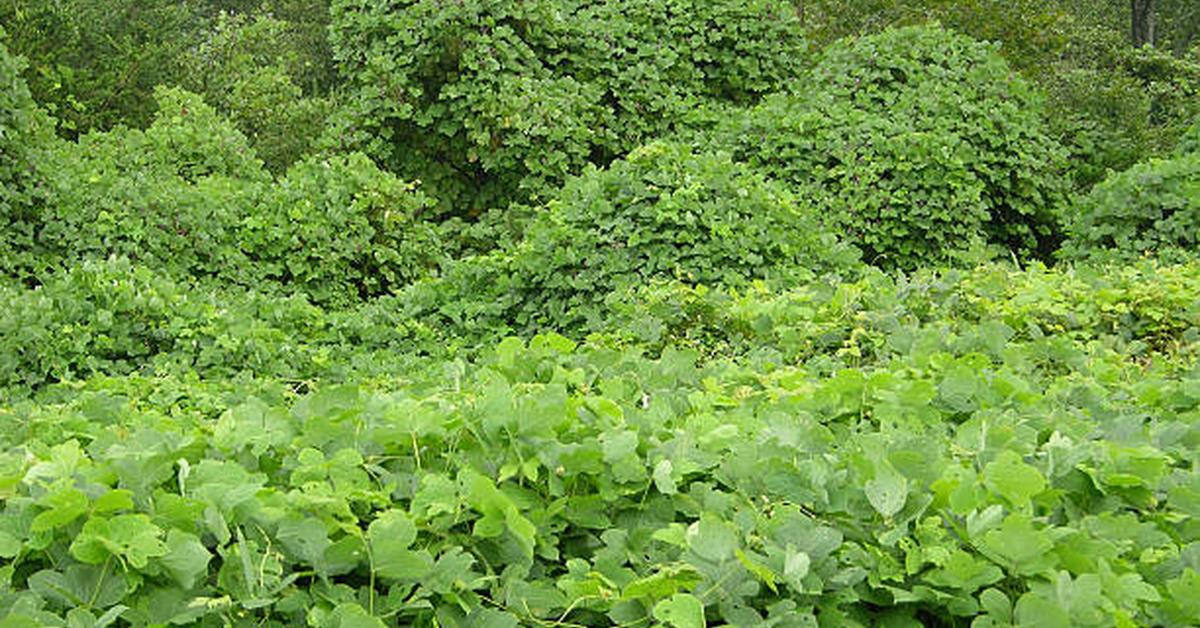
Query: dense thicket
(25, 131)
(917, 144)
(189, 196)
(351, 314)
(1152, 209)
(492, 102)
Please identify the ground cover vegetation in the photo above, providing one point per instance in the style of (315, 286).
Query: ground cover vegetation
(559, 313)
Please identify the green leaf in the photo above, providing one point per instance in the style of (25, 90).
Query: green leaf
(681, 610)
(887, 493)
(64, 506)
(662, 478)
(133, 538)
(112, 501)
(663, 583)
(10, 545)
(389, 537)
(1009, 477)
(711, 538)
(351, 615)
(186, 558)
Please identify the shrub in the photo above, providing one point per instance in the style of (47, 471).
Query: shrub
(114, 317)
(490, 102)
(1151, 209)
(249, 70)
(189, 196)
(25, 131)
(918, 143)
(95, 63)
(1189, 143)
(97, 317)
(340, 230)
(665, 212)
(169, 197)
(1116, 105)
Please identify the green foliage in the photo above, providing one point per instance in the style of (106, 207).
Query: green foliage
(25, 131)
(340, 230)
(95, 63)
(248, 394)
(115, 318)
(984, 466)
(663, 212)
(916, 143)
(1030, 32)
(247, 69)
(1190, 142)
(1117, 105)
(189, 196)
(1152, 209)
(168, 196)
(489, 102)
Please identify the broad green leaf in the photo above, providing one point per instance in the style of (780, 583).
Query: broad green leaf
(711, 538)
(681, 610)
(389, 537)
(63, 506)
(133, 538)
(1009, 477)
(186, 558)
(112, 501)
(662, 478)
(887, 493)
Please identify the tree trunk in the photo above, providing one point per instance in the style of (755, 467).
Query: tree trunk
(1143, 22)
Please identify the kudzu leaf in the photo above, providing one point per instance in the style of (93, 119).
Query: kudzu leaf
(662, 478)
(186, 558)
(351, 615)
(664, 583)
(389, 537)
(711, 538)
(1009, 477)
(133, 538)
(112, 501)
(10, 545)
(681, 610)
(887, 493)
(63, 505)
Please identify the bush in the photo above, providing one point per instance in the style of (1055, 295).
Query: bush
(98, 317)
(95, 63)
(917, 143)
(169, 197)
(249, 70)
(1152, 209)
(664, 212)
(114, 317)
(489, 103)
(189, 196)
(340, 230)
(1189, 143)
(25, 131)
(1116, 105)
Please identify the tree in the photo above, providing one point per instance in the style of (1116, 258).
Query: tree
(1142, 22)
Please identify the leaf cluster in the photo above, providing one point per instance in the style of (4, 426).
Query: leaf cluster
(489, 102)
(917, 144)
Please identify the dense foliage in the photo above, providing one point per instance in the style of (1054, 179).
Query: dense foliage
(945, 447)
(917, 144)
(492, 102)
(25, 130)
(189, 195)
(1150, 209)
(351, 314)
(667, 212)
